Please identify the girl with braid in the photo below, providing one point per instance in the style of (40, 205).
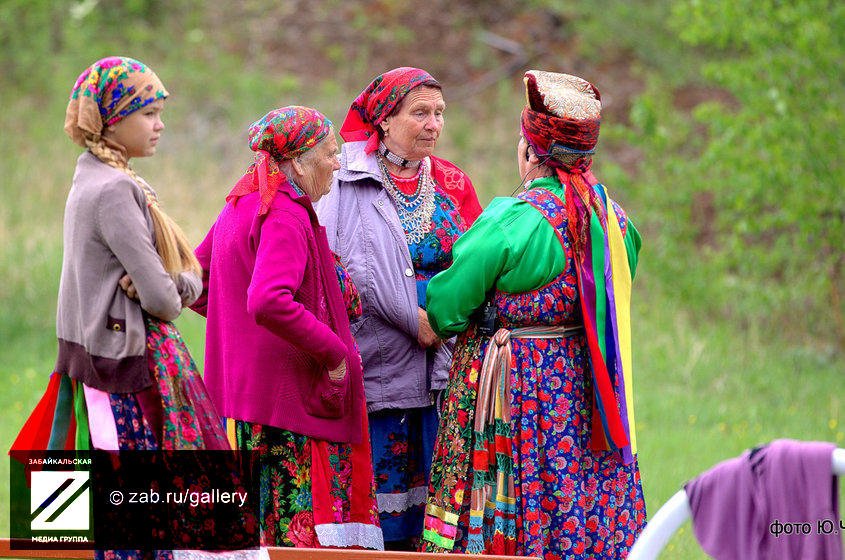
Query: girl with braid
(124, 379)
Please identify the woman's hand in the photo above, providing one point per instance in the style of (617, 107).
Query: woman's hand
(338, 373)
(426, 336)
(127, 286)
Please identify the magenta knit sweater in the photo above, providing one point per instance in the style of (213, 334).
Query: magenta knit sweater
(276, 321)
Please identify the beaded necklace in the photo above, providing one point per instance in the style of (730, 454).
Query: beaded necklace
(395, 159)
(415, 209)
(296, 188)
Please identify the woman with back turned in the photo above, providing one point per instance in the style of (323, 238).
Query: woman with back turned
(536, 453)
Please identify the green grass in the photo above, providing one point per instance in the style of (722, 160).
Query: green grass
(706, 392)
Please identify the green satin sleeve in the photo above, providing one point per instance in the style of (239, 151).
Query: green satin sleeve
(511, 247)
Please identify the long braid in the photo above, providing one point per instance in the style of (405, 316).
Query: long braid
(172, 245)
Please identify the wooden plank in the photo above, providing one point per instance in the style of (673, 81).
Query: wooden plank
(274, 552)
(336, 554)
(7, 552)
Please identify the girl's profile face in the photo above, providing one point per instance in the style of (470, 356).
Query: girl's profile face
(139, 132)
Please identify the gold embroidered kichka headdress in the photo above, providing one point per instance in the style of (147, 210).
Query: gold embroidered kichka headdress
(562, 118)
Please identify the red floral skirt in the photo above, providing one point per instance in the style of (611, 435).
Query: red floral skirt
(313, 493)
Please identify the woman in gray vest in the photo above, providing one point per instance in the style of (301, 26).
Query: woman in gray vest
(393, 214)
(127, 273)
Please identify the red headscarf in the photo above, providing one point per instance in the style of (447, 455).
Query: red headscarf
(283, 133)
(378, 100)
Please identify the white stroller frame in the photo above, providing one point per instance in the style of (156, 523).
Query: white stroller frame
(675, 513)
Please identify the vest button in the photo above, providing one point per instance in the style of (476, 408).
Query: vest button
(409, 272)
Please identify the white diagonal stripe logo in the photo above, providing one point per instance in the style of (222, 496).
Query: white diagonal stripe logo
(60, 500)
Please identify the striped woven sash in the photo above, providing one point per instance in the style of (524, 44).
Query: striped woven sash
(493, 495)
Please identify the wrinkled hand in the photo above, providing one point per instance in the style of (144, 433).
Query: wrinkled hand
(338, 373)
(127, 286)
(426, 337)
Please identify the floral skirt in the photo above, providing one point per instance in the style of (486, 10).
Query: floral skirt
(313, 493)
(174, 413)
(403, 441)
(569, 501)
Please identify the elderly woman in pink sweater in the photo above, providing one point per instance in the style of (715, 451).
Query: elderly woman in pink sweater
(281, 363)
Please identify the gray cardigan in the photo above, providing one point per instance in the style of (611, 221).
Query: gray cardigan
(108, 232)
(363, 228)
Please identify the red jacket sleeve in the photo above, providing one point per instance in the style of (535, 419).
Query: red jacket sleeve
(458, 186)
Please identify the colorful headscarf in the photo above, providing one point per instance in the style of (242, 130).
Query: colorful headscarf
(377, 102)
(107, 92)
(562, 121)
(281, 134)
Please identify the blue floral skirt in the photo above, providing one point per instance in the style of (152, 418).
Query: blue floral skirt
(403, 442)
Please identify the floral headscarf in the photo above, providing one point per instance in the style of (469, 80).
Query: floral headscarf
(378, 100)
(107, 92)
(283, 133)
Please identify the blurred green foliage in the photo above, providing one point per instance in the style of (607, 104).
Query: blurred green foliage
(740, 131)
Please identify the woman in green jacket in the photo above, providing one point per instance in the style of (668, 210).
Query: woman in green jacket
(536, 452)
